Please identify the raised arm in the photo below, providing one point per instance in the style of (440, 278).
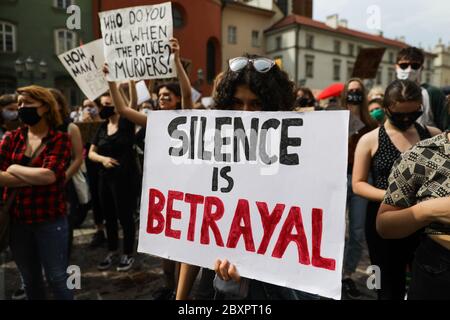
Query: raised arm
(121, 107)
(183, 79)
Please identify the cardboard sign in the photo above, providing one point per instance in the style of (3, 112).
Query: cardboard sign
(367, 63)
(85, 64)
(88, 130)
(265, 190)
(136, 42)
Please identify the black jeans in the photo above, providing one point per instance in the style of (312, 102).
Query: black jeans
(392, 256)
(117, 196)
(430, 272)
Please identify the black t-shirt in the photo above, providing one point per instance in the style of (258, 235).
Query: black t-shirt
(119, 146)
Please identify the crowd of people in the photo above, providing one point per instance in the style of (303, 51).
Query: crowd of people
(398, 178)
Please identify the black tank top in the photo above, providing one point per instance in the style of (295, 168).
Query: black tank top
(384, 158)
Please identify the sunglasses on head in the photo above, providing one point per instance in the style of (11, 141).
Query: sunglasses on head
(262, 65)
(414, 65)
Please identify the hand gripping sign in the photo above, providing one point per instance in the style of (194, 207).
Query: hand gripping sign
(265, 190)
(136, 42)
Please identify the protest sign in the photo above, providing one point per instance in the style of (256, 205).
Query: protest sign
(88, 130)
(142, 92)
(85, 64)
(265, 190)
(367, 63)
(136, 42)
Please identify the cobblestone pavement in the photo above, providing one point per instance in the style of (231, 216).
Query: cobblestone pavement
(139, 283)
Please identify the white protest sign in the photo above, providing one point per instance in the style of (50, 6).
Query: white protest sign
(136, 42)
(195, 95)
(142, 92)
(85, 64)
(266, 190)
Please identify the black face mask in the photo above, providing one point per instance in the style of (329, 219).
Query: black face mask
(355, 98)
(107, 112)
(303, 102)
(29, 115)
(403, 120)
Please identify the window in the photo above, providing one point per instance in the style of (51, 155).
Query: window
(336, 70)
(64, 40)
(429, 64)
(309, 41)
(62, 4)
(351, 49)
(337, 46)
(177, 16)
(309, 66)
(379, 77)
(428, 78)
(232, 35)
(278, 43)
(359, 49)
(391, 57)
(7, 37)
(255, 39)
(390, 75)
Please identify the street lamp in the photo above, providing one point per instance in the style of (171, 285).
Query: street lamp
(29, 66)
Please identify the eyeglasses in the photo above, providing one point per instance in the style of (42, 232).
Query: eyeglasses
(414, 66)
(262, 65)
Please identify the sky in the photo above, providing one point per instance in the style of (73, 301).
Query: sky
(420, 22)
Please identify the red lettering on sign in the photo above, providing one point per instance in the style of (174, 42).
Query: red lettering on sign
(242, 213)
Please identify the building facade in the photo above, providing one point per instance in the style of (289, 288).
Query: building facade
(197, 26)
(243, 25)
(32, 34)
(317, 54)
(442, 65)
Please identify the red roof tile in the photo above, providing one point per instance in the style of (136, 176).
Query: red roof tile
(296, 19)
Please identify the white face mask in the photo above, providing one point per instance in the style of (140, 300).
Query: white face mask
(408, 74)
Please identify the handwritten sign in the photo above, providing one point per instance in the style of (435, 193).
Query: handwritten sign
(85, 64)
(136, 42)
(265, 190)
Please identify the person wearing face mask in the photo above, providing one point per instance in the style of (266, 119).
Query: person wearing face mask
(409, 66)
(305, 100)
(9, 117)
(376, 110)
(375, 154)
(113, 148)
(354, 99)
(33, 161)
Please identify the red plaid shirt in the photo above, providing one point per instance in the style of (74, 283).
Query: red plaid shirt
(37, 204)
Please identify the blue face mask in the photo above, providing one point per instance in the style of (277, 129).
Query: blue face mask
(10, 115)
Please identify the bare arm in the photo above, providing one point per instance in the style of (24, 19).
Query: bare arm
(395, 223)
(107, 162)
(185, 85)
(186, 280)
(77, 151)
(361, 167)
(121, 107)
(434, 131)
(133, 95)
(33, 176)
(11, 181)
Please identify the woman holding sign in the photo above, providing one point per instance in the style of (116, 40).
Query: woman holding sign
(245, 87)
(375, 154)
(171, 96)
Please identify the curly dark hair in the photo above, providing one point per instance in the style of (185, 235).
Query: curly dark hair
(273, 88)
(412, 54)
